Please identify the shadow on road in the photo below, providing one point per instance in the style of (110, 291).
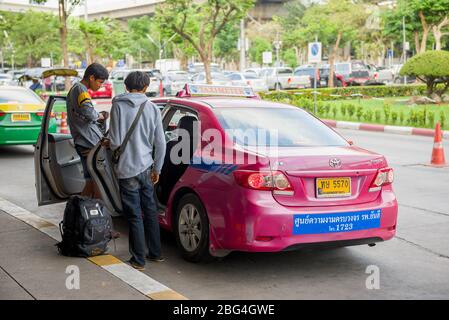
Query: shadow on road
(11, 152)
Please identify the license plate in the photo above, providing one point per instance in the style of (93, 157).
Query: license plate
(333, 187)
(336, 222)
(15, 117)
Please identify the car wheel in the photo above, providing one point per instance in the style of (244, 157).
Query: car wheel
(339, 84)
(164, 93)
(192, 229)
(277, 86)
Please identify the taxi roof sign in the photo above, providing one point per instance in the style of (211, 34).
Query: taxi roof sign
(193, 90)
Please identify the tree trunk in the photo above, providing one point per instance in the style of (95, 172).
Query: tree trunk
(332, 60)
(63, 35)
(438, 34)
(207, 61)
(425, 29)
(417, 44)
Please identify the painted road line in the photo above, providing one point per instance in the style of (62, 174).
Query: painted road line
(136, 279)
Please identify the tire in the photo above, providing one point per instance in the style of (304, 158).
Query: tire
(339, 84)
(194, 247)
(277, 86)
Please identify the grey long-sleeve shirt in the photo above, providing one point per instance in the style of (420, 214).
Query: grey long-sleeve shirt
(148, 134)
(82, 117)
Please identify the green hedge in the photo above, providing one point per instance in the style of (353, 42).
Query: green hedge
(329, 94)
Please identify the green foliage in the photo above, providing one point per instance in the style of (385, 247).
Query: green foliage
(351, 110)
(442, 119)
(333, 94)
(394, 117)
(402, 117)
(377, 116)
(258, 46)
(344, 108)
(199, 23)
(31, 36)
(368, 115)
(359, 113)
(431, 119)
(387, 112)
(432, 68)
(334, 111)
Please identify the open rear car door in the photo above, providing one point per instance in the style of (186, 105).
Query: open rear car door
(58, 169)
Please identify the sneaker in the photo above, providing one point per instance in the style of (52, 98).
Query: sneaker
(156, 259)
(136, 265)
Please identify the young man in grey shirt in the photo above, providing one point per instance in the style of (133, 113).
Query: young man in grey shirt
(83, 119)
(138, 168)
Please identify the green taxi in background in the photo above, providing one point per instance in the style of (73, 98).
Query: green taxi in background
(21, 112)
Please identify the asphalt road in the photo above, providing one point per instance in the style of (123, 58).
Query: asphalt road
(413, 265)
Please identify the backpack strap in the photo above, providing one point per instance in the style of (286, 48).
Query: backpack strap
(119, 151)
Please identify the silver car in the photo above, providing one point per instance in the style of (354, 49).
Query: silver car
(248, 79)
(283, 78)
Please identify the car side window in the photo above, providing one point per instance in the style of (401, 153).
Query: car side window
(173, 123)
(236, 77)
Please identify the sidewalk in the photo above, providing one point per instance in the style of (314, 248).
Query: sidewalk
(30, 268)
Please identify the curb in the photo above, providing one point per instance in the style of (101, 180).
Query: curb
(382, 128)
(138, 280)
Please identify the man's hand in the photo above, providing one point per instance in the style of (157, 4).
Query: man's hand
(105, 142)
(154, 177)
(104, 115)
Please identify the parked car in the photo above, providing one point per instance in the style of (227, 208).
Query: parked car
(379, 75)
(354, 73)
(339, 80)
(283, 78)
(199, 68)
(308, 187)
(255, 71)
(248, 79)
(117, 77)
(21, 112)
(218, 79)
(174, 81)
(6, 79)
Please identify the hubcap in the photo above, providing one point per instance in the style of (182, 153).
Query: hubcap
(189, 229)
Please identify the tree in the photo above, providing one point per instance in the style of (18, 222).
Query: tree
(200, 23)
(431, 67)
(333, 22)
(434, 17)
(32, 35)
(65, 8)
(102, 38)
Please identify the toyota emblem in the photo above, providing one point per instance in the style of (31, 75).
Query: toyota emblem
(335, 163)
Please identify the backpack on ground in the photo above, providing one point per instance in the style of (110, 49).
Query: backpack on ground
(86, 228)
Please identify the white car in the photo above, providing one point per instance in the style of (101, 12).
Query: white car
(248, 79)
(6, 79)
(284, 78)
(218, 79)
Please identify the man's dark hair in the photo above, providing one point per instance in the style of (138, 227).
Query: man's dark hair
(137, 80)
(96, 70)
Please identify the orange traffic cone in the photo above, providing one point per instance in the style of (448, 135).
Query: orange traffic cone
(438, 151)
(63, 127)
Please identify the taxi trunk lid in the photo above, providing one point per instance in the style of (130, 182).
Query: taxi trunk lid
(304, 165)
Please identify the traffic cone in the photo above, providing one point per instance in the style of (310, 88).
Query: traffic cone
(438, 151)
(161, 89)
(63, 128)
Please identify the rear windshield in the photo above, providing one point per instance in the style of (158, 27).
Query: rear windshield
(18, 96)
(342, 68)
(294, 127)
(305, 72)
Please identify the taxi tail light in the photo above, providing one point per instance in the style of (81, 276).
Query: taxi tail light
(41, 114)
(383, 177)
(264, 180)
(2, 114)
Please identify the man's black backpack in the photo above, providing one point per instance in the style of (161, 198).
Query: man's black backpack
(86, 228)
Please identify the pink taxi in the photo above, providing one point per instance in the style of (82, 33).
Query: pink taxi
(242, 174)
